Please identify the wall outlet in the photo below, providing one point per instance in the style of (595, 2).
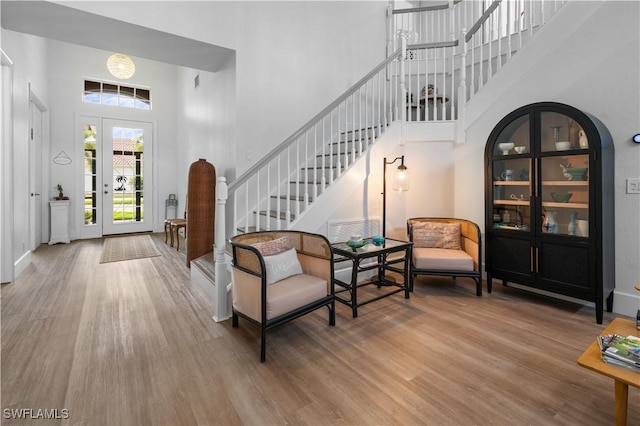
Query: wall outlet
(633, 185)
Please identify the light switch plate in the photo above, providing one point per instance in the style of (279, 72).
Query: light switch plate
(633, 185)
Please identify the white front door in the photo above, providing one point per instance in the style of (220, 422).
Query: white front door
(126, 176)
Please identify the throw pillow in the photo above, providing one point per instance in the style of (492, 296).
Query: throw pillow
(271, 247)
(281, 266)
(437, 235)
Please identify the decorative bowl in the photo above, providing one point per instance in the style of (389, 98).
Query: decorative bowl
(505, 147)
(563, 145)
(561, 197)
(576, 173)
(378, 240)
(356, 244)
(520, 149)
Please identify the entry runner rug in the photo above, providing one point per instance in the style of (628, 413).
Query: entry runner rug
(116, 249)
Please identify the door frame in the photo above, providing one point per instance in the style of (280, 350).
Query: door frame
(36, 162)
(6, 175)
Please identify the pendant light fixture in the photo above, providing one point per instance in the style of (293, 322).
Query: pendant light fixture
(121, 66)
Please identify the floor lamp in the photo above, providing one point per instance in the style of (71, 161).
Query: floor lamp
(400, 184)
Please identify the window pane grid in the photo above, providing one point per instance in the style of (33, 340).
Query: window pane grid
(103, 93)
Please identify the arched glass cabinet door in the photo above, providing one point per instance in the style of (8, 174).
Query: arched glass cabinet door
(564, 175)
(512, 177)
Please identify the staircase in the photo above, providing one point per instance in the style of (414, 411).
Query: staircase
(456, 48)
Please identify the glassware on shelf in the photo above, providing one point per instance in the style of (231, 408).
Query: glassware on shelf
(550, 224)
(571, 228)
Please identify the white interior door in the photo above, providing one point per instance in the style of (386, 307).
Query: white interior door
(126, 176)
(35, 176)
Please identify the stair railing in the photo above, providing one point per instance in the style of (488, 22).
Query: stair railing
(460, 45)
(281, 186)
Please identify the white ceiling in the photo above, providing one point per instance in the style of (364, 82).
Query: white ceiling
(57, 22)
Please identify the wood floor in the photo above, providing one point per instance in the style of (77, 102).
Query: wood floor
(133, 343)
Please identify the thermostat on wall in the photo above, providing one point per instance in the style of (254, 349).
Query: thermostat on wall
(636, 138)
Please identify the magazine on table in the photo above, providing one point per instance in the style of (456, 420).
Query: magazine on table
(623, 351)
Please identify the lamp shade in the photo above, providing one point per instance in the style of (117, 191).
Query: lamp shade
(121, 66)
(400, 180)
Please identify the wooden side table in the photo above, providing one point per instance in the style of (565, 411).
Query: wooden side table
(592, 359)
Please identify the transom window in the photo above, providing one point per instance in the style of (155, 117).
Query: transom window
(106, 93)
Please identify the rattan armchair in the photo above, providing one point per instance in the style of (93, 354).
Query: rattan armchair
(268, 304)
(436, 257)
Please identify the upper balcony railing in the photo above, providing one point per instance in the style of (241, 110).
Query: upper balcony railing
(482, 36)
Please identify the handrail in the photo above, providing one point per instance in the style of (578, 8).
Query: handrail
(277, 150)
(433, 45)
(482, 20)
(424, 8)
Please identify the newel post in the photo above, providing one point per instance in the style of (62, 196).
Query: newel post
(222, 273)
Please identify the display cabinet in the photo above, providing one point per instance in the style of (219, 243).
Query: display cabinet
(549, 203)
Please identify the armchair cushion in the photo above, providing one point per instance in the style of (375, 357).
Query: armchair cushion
(283, 296)
(441, 259)
(436, 235)
(294, 292)
(281, 266)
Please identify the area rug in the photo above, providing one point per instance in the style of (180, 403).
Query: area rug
(116, 249)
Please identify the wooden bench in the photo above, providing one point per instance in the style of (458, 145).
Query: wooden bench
(432, 252)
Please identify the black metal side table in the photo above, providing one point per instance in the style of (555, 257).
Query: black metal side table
(383, 262)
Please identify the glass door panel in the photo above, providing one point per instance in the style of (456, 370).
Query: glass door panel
(90, 175)
(564, 194)
(125, 176)
(514, 139)
(561, 133)
(512, 194)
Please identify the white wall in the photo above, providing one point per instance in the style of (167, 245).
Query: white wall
(206, 123)
(29, 57)
(293, 58)
(596, 71)
(68, 66)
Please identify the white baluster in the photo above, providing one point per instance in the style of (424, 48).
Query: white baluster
(246, 206)
(306, 174)
(278, 193)
(297, 165)
(222, 276)
(288, 181)
(324, 165)
(335, 168)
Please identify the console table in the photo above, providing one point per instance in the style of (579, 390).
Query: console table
(382, 262)
(59, 226)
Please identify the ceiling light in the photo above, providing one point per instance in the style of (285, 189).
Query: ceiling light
(121, 66)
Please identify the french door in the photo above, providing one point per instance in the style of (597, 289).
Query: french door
(126, 175)
(117, 177)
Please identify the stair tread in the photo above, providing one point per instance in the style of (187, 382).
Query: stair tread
(291, 197)
(206, 265)
(274, 214)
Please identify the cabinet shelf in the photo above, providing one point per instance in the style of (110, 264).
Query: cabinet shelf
(565, 205)
(565, 183)
(511, 182)
(513, 202)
